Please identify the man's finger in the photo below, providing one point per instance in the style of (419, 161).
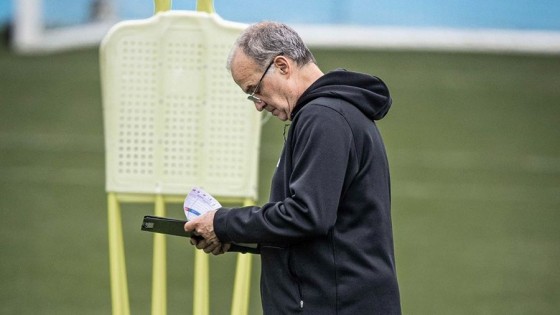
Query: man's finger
(211, 247)
(194, 241)
(218, 250)
(226, 247)
(202, 244)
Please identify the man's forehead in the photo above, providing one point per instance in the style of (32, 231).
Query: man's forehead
(243, 69)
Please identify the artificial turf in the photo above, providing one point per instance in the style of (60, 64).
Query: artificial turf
(473, 143)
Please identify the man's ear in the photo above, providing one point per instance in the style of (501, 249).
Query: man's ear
(283, 65)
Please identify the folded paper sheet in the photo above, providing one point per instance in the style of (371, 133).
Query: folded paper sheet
(198, 202)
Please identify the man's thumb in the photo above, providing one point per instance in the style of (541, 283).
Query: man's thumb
(189, 226)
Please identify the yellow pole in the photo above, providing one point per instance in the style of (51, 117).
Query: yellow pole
(201, 287)
(159, 273)
(242, 284)
(205, 6)
(119, 287)
(162, 5)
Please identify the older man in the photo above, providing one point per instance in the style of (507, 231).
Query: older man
(325, 236)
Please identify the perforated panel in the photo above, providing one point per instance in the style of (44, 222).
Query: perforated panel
(227, 139)
(137, 94)
(174, 118)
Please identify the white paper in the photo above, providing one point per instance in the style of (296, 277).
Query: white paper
(198, 202)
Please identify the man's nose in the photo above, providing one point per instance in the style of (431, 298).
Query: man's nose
(259, 105)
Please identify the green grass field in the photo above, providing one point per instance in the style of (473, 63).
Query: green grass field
(473, 142)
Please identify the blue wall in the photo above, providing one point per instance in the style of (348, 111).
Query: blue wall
(5, 11)
(496, 14)
(509, 14)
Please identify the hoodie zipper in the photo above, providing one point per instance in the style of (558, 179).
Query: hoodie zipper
(300, 295)
(296, 280)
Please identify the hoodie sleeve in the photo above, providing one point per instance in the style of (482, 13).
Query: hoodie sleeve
(322, 149)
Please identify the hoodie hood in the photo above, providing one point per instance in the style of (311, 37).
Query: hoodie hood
(368, 93)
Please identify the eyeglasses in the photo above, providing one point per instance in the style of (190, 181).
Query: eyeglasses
(251, 97)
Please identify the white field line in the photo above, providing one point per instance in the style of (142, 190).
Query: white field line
(402, 38)
(334, 36)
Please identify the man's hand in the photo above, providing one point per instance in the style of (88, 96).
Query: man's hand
(204, 226)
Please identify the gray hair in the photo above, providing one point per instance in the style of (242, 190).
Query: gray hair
(266, 40)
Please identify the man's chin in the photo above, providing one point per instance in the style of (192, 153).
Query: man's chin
(279, 114)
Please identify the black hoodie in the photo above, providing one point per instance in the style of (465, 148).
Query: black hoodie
(325, 237)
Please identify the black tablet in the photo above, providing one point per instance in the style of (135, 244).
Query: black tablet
(166, 226)
(176, 227)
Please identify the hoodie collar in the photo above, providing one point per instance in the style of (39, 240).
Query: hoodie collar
(366, 92)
